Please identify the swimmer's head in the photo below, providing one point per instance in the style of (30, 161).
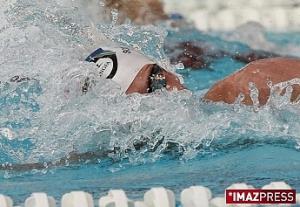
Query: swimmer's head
(131, 70)
(119, 64)
(106, 61)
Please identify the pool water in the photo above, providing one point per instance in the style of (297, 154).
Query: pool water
(258, 165)
(184, 140)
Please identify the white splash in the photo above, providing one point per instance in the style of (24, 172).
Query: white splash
(7, 133)
(48, 42)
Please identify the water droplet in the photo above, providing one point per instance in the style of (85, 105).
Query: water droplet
(270, 84)
(179, 66)
(7, 133)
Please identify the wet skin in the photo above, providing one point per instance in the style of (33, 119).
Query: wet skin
(260, 72)
(141, 82)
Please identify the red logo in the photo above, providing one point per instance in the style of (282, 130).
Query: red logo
(259, 196)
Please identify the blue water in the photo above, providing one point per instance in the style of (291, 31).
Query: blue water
(256, 164)
(186, 142)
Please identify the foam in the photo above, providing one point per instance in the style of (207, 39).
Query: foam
(279, 15)
(48, 42)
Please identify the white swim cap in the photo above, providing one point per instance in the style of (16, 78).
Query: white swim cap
(120, 64)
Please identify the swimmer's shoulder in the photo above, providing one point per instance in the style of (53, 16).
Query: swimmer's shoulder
(271, 65)
(276, 61)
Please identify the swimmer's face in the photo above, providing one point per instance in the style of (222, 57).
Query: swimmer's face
(141, 82)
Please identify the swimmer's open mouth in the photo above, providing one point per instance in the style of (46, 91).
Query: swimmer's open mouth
(157, 79)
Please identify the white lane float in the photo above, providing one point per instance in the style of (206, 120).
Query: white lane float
(298, 198)
(218, 202)
(40, 200)
(116, 198)
(159, 197)
(240, 186)
(220, 15)
(77, 199)
(5, 201)
(277, 186)
(196, 196)
(140, 204)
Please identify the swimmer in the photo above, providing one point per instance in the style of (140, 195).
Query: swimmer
(132, 71)
(135, 73)
(261, 72)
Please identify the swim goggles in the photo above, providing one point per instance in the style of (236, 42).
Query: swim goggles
(157, 79)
